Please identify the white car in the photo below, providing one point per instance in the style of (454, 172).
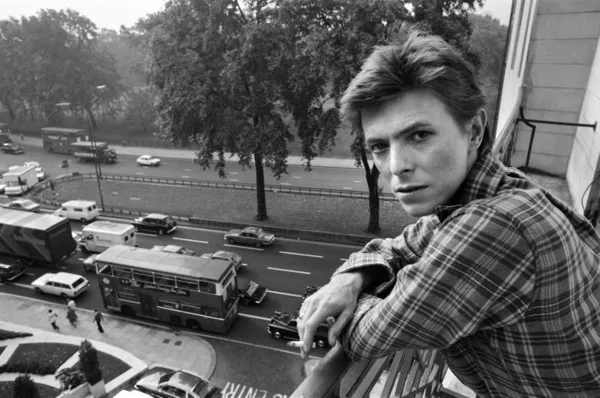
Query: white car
(3, 185)
(41, 173)
(61, 284)
(148, 160)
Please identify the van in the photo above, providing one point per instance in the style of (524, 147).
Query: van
(20, 180)
(81, 210)
(101, 235)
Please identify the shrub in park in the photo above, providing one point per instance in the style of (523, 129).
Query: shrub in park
(25, 387)
(90, 366)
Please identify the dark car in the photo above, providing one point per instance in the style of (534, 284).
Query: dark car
(251, 292)
(9, 272)
(155, 222)
(10, 147)
(250, 236)
(283, 325)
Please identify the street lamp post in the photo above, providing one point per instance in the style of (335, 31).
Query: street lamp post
(97, 166)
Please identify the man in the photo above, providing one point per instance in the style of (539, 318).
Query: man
(52, 318)
(498, 274)
(98, 318)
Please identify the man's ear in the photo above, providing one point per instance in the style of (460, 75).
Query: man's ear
(477, 129)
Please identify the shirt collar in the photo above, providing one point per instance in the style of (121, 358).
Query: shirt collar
(483, 181)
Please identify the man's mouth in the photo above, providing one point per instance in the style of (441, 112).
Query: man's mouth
(409, 189)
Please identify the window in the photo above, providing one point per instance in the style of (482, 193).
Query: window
(142, 276)
(78, 209)
(191, 308)
(132, 234)
(207, 287)
(78, 282)
(63, 209)
(122, 272)
(168, 304)
(126, 238)
(104, 269)
(189, 284)
(126, 293)
(164, 280)
(90, 208)
(176, 392)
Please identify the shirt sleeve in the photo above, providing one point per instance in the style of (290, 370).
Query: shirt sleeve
(477, 273)
(393, 254)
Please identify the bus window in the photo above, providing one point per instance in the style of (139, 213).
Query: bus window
(168, 304)
(191, 308)
(105, 269)
(122, 272)
(127, 293)
(142, 276)
(165, 280)
(189, 284)
(210, 311)
(207, 287)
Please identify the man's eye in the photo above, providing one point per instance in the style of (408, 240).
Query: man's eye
(419, 136)
(377, 148)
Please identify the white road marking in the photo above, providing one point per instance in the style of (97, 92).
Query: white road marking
(297, 178)
(347, 188)
(284, 294)
(243, 247)
(24, 285)
(140, 173)
(234, 180)
(144, 234)
(81, 259)
(187, 169)
(234, 172)
(344, 259)
(185, 176)
(262, 318)
(191, 240)
(289, 270)
(29, 274)
(358, 182)
(302, 254)
(284, 183)
(244, 265)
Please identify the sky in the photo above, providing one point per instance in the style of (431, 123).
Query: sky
(111, 14)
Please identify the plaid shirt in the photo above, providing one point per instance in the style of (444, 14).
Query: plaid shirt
(505, 283)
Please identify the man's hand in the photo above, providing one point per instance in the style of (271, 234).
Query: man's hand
(335, 300)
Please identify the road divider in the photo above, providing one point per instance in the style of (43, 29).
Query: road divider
(190, 240)
(301, 254)
(284, 294)
(289, 270)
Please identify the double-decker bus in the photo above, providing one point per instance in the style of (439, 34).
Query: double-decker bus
(4, 133)
(59, 139)
(190, 291)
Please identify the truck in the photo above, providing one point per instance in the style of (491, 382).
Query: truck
(87, 151)
(20, 180)
(100, 235)
(35, 238)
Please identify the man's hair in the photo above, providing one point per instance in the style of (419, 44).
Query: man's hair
(416, 61)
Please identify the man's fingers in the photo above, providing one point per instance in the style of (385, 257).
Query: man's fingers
(336, 328)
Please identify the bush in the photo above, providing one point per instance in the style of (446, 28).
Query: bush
(71, 377)
(8, 334)
(25, 387)
(27, 367)
(90, 366)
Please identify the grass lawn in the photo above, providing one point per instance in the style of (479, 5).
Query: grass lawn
(319, 213)
(9, 334)
(6, 390)
(110, 366)
(48, 354)
(2, 348)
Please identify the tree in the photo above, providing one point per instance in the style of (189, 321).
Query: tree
(15, 75)
(90, 366)
(342, 33)
(139, 106)
(25, 387)
(227, 77)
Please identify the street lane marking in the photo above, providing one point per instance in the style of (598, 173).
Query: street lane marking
(344, 259)
(187, 169)
(284, 183)
(29, 274)
(358, 182)
(301, 254)
(262, 318)
(347, 188)
(297, 178)
(289, 270)
(244, 265)
(234, 180)
(284, 294)
(140, 173)
(234, 172)
(191, 240)
(244, 247)
(24, 285)
(185, 176)
(144, 234)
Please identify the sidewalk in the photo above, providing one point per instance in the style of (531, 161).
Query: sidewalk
(189, 154)
(150, 343)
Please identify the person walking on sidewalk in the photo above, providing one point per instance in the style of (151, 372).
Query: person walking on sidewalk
(71, 306)
(71, 315)
(98, 318)
(52, 317)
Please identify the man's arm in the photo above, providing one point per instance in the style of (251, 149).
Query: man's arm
(477, 273)
(380, 260)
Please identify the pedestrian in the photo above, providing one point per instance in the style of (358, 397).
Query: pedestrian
(71, 314)
(497, 273)
(22, 137)
(98, 318)
(53, 317)
(72, 306)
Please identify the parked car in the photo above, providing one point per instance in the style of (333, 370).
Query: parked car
(250, 236)
(148, 160)
(9, 272)
(62, 284)
(284, 325)
(3, 185)
(155, 222)
(251, 292)
(41, 173)
(164, 381)
(9, 147)
(235, 258)
(175, 249)
(22, 204)
(88, 263)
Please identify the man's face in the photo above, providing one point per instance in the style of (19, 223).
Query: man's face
(419, 149)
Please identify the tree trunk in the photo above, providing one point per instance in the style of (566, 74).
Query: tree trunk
(93, 123)
(372, 175)
(9, 109)
(261, 199)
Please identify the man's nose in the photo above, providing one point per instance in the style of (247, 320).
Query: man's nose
(400, 160)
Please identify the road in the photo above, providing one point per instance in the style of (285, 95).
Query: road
(248, 358)
(320, 177)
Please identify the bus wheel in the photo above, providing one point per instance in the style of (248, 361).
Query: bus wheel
(277, 334)
(127, 310)
(193, 324)
(321, 342)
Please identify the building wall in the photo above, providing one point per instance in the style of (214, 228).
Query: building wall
(557, 72)
(585, 153)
